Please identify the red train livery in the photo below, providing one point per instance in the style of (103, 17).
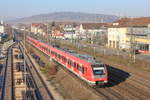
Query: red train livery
(84, 66)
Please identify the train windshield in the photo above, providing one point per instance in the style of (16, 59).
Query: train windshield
(98, 69)
(98, 72)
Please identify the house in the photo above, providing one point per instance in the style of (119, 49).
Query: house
(42, 29)
(127, 31)
(38, 28)
(92, 31)
(57, 32)
(69, 31)
(34, 28)
(2, 27)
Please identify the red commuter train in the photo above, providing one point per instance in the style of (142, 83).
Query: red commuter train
(84, 66)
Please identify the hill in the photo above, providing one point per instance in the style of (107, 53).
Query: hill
(66, 16)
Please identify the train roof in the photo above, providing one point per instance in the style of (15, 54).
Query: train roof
(86, 57)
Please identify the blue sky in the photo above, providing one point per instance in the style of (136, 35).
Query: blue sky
(22, 8)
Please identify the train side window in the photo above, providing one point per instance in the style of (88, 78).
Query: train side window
(82, 69)
(61, 57)
(52, 53)
(49, 51)
(58, 56)
(72, 63)
(64, 59)
(85, 69)
(78, 66)
(69, 62)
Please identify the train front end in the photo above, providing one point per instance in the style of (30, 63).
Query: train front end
(100, 75)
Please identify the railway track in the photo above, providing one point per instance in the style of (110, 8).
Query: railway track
(130, 88)
(20, 82)
(134, 78)
(142, 82)
(7, 88)
(42, 87)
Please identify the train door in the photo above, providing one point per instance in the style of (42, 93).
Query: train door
(64, 60)
(49, 51)
(77, 68)
(69, 64)
(81, 70)
(58, 58)
(84, 71)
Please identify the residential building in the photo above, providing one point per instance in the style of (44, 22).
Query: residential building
(58, 32)
(42, 29)
(70, 31)
(2, 27)
(93, 31)
(116, 36)
(129, 31)
(34, 28)
(39, 29)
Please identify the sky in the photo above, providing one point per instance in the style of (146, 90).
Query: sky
(10, 9)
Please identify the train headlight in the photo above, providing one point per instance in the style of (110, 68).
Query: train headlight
(105, 81)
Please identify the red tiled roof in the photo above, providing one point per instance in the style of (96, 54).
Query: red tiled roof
(39, 25)
(35, 25)
(126, 22)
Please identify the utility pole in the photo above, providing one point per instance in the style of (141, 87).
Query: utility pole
(132, 42)
(72, 32)
(47, 32)
(118, 44)
(25, 81)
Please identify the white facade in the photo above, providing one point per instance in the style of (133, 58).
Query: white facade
(34, 29)
(70, 32)
(41, 31)
(120, 36)
(1, 29)
(87, 33)
(116, 37)
(70, 36)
